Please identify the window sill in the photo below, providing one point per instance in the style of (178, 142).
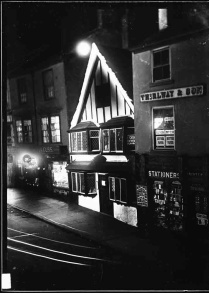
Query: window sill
(161, 82)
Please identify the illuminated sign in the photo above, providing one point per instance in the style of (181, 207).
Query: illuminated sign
(163, 174)
(50, 149)
(26, 158)
(131, 139)
(173, 93)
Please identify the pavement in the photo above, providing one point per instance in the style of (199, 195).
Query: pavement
(164, 250)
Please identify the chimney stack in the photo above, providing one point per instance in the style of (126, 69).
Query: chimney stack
(125, 30)
(100, 18)
(162, 18)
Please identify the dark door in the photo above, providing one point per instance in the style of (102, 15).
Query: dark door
(106, 205)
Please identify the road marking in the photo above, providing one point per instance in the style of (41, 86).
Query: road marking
(60, 252)
(43, 256)
(24, 235)
(66, 243)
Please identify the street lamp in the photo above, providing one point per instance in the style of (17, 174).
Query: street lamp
(83, 48)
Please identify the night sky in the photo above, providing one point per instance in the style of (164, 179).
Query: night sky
(29, 26)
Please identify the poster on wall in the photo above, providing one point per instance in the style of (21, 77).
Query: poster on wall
(141, 193)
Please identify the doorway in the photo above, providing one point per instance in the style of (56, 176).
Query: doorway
(106, 205)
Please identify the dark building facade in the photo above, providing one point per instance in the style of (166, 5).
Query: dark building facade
(37, 127)
(171, 102)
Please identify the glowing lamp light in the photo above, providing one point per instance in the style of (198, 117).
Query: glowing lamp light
(83, 48)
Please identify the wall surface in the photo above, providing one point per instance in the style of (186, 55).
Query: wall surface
(189, 67)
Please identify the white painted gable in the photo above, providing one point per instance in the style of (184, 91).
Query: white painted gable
(100, 107)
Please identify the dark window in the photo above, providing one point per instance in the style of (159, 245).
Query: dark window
(161, 65)
(94, 139)
(163, 126)
(22, 90)
(24, 131)
(103, 98)
(48, 81)
(51, 129)
(112, 140)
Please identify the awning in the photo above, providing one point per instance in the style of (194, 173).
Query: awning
(99, 164)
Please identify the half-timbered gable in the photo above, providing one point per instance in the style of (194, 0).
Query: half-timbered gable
(102, 139)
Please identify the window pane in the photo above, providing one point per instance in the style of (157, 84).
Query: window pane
(165, 56)
(112, 139)
(112, 187)
(157, 58)
(164, 131)
(91, 183)
(117, 189)
(45, 129)
(48, 84)
(94, 137)
(22, 90)
(74, 142)
(74, 187)
(55, 128)
(165, 72)
(79, 141)
(161, 66)
(105, 135)
(119, 137)
(123, 190)
(84, 141)
(81, 183)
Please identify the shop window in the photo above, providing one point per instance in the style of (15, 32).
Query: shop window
(117, 189)
(22, 90)
(50, 127)
(163, 128)
(59, 174)
(79, 141)
(94, 140)
(112, 140)
(48, 81)
(10, 130)
(24, 131)
(161, 64)
(83, 183)
(168, 204)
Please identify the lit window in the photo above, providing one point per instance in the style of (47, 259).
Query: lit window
(79, 141)
(163, 126)
(112, 140)
(51, 129)
(117, 189)
(83, 183)
(24, 131)
(161, 65)
(48, 84)
(22, 90)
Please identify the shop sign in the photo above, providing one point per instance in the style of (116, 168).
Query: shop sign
(173, 93)
(141, 193)
(163, 174)
(50, 149)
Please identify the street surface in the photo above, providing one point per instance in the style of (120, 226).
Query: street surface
(41, 256)
(44, 257)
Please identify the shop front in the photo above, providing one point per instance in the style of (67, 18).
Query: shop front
(54, 178)
(173, 193)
